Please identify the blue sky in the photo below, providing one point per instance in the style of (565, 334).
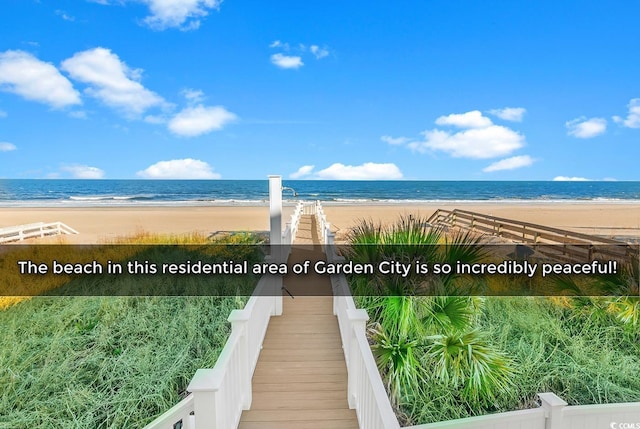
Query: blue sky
(432, 90)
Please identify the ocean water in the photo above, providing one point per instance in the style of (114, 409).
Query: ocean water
(83, 193)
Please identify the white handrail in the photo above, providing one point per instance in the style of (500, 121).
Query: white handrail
(553, 413)
(326, 235)
(31, 230)
(291, 228)
(182, 412)
(367, 394)
(220, 394)
(366, 391)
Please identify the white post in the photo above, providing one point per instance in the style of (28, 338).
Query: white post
(275, 209)
(206, 409)
(552, 405)
(239, 321)
(275, 236)
(358, 323)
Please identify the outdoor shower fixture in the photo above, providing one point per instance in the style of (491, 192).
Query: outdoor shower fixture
(286, 188)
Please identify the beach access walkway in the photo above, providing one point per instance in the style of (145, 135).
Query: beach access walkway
(298, 356)
(300, 380)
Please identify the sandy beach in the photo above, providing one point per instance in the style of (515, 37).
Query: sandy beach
(97, 224)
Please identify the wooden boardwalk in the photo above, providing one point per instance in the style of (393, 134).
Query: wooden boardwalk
(300, 380)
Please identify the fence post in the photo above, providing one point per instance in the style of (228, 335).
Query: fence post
(552, 405)
(275, 209)
(206, 407)
(358, 322)
(275, 288)
(239, 320)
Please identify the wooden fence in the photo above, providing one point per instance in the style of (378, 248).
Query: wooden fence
(559, 243)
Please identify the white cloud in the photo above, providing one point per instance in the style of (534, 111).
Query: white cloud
(184, 14)
(111, 81)
(633, 118)
(514, 114)
(187, 168)
(305, 170)
(472, 119)
(570, 179)
(62, 14)
(295, 61)
(7, 147)
(318, 51)
(480, 140)
(23, 74)
(366, 171)
(479, 143)
(197, 120)
(510, 163)
(394, 140)
(279, 44)
(584, 128)
(287, 61)
(84, 171)
(193, 95)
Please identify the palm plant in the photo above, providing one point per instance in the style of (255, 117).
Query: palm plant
(412, 333)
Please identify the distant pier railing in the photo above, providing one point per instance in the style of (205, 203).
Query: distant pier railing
(33, 230)
(576, 246)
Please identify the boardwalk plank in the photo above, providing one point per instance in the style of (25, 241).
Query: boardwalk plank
(300, 381)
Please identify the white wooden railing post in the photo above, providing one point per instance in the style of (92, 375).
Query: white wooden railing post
(358, 321)
(206, 401)
(553, 406)
(274, 288)
(239, 320)
(275, 236)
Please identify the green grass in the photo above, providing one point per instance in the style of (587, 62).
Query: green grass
(88, 362)
(581, 359)
(114, 362)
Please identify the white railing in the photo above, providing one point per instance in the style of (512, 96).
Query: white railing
(180, 415)
(366, 391)
(524, 419)
(220, 394)
(553, 414)
(32, 230)
(626, 416)
(291, 229)
(326, 236)
(310, 208)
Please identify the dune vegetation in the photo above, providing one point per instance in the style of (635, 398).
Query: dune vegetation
(445, 356)
(112, 361)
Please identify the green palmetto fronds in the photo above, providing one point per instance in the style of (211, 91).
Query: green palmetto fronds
(398, 363)
(451, 313)
(626, 310)
(415, 335)
(467, 361)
